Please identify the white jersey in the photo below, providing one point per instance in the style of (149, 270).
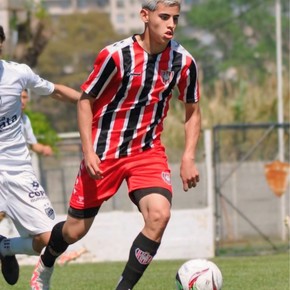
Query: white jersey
(27, 130)
(14, 77)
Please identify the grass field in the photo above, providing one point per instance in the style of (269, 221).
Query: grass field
(270, 272)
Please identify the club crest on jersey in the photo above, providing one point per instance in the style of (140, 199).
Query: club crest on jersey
(167, 76)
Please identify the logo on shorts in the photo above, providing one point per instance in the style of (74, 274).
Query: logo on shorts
(37, 193)
(143, 258)
(35, 185)
(166, 177)
(80, 200)
(50, 213)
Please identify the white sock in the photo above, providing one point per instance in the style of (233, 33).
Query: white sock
(18, 245)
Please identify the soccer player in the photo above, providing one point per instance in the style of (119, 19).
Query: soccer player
(31, 140)
(22, 198)
(120, 115)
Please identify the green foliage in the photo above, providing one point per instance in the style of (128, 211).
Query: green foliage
(37, 8)
(42, 129)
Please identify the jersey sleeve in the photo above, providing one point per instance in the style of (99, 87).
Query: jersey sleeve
(188, 85)
(104, 70)
(37, 84)
(28, 131)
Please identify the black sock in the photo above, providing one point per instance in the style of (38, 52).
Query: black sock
(141, 254)
(56, 246)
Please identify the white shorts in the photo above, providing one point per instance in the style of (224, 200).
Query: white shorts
(24, 200)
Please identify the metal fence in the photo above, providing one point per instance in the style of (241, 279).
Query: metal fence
(246, 206)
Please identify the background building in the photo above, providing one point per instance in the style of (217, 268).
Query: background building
(124, 14)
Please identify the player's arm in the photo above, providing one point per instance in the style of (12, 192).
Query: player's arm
(188, 171)
(65, 94)
(85, 118)
(42, 149)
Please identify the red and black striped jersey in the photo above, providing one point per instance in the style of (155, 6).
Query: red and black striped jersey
(132, 91)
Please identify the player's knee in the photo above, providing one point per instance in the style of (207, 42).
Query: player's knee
(72, 236)
(159, 218)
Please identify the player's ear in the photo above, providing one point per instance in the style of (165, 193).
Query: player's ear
(144, 15)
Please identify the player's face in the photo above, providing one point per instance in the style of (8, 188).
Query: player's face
(162, 23)
(24, 99)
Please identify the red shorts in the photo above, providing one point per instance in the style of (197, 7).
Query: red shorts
(145, 173)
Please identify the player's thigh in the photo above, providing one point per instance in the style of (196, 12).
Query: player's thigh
(28, 205)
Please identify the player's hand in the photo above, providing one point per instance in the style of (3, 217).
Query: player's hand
(92, 163)
(188, 173)
(47, 150)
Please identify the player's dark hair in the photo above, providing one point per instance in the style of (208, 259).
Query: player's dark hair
(2, 34)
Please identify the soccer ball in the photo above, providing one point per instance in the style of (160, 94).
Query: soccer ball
(199, 274)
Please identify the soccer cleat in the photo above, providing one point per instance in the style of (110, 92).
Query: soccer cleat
(9, 267)
(40, 279)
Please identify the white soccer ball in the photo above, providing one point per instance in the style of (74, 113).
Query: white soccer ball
(199, 274)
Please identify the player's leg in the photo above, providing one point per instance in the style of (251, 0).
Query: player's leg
(9, 264)
(24, 245)
(154, 203)
(63, 234)
(40, 241)
(155, 209)
(32, 214)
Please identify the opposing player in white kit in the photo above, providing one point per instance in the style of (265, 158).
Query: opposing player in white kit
(22, 198)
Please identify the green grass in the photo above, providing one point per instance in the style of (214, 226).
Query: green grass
(270, 272)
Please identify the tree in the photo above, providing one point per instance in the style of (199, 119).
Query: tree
(42, 129)
(234, 44)
(69, 57)
(236, 33)
(33, 33)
